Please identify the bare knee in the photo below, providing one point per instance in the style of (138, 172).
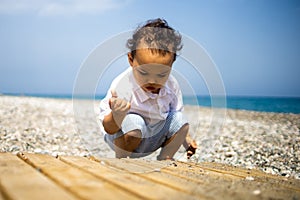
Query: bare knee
(127, 143)
(183, 131)
(134, 134)
(185, 128)
(133, 139)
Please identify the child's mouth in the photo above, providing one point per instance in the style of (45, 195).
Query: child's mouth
(152, 89)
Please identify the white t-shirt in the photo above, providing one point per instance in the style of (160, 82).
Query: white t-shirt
(152, 107)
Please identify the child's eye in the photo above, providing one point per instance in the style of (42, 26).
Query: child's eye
(143, 73)
(162, 75)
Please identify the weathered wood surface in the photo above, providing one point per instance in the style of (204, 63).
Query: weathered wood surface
(36, 176)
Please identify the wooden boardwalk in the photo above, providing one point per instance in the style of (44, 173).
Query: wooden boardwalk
(41, 177)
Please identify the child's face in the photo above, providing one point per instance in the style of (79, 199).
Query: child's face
(151, 70)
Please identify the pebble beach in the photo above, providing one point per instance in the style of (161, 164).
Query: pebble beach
(266, 141)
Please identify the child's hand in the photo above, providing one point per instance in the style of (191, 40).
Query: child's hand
(190, 145)
(119, 107)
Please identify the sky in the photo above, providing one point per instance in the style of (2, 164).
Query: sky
(254, 44)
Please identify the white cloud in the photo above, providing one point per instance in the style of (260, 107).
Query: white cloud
(59, 7)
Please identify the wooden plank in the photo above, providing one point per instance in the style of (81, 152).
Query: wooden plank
(19, 180)
(217, 184)
(188, 178)
(180, 169)
(79, 182)
(222, 168)
(194, 184)
(144, 188)
(273, 186)
(70, 177)
(288, 183)
(133, 166)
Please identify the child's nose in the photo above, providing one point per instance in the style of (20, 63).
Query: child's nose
(152, 80)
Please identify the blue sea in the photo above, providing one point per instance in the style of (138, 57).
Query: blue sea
(262, 104)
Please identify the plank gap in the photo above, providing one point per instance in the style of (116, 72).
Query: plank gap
(4, 194)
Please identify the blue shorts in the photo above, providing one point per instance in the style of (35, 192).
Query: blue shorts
(153, 136)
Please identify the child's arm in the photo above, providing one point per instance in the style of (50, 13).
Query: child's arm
(119, 108)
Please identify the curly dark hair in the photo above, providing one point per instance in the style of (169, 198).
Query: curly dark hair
(158, 36)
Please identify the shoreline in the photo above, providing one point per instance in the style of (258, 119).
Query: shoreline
(282, 104)
(263, 140)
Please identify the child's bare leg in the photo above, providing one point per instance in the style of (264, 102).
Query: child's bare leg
(172, 145)
(127, 143)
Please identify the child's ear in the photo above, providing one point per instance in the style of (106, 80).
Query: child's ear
(130, 58)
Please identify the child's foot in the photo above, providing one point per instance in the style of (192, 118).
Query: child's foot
(190, 145)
